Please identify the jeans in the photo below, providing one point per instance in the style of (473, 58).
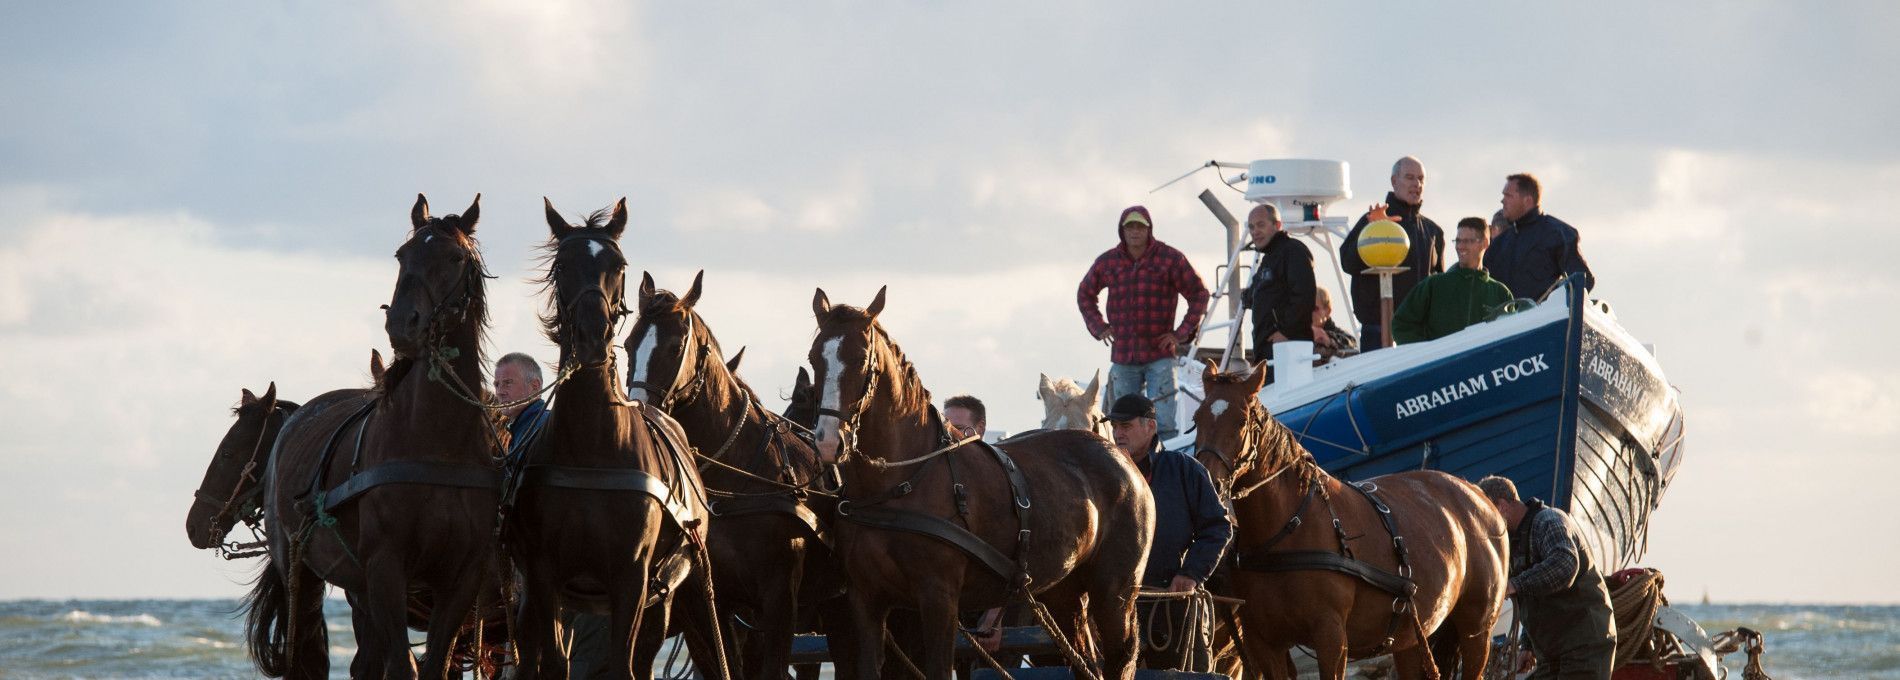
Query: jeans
(1158, 376)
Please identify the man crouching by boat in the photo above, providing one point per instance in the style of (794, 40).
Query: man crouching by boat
(1191, 527)
(1560, 598)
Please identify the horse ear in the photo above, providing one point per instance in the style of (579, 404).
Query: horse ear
(820, 305)
(376, 367)
(1044, 388)
(1211, 369)
(556, 226)
(803, 382)
(732, 365)
(1095, 384)
(1259, 377)
(471, 215)
(877, 303)
(646, 288)
(419, 215)
(618, 223)
(270, 395)
(692, 294)
(247, 398)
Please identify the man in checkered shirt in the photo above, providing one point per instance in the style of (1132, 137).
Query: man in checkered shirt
(1143, 277)
(1560, 597)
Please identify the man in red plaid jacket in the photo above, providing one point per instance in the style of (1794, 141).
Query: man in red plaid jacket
(1143, 277)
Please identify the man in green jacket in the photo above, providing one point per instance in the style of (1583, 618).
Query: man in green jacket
(1446, 303)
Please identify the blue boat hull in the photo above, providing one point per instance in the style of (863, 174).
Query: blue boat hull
(1562, 401)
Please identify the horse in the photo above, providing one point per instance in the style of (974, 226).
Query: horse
(768, 541)
(1068, 406)
(606, 510)
(339, 517)
(937, 526)
(1404, 554)
(231, 487)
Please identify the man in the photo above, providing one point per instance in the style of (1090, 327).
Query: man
(1536, 250)
(965, 416)
(1282, 292)
(1191, 527)
(1560, 598)
(1143, 277)
(1446, 303)
(517, 376)
(1425, 258)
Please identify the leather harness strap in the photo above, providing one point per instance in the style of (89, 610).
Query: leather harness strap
(771, 504)
(1321, 560)
(607, 479)
(429, 472)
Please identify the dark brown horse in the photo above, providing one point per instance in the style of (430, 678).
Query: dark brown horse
(937, 529)
(766, 534)
(1322, 564)
(389, 492)
(608, 501)
(233, 482)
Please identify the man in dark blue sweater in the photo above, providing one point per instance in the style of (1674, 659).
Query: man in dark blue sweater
(1191, 527)
(1536, 250)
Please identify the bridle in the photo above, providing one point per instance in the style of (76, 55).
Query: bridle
(617, 311)
(241, 504)
(1253, 439)
(848, 417)
(456, 307)
(684, 384)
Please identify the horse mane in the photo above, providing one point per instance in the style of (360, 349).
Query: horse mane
(1277, 444)
(907, 390)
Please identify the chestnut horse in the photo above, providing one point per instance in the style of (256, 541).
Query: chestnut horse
(606, 504)
(937, 528)
(391, 491)
(769, 545)
(232, 484)
(1403, 554)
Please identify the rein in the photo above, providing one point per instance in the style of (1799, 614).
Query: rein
(241, 504)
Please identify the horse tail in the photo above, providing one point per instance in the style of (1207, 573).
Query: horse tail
(267, 622)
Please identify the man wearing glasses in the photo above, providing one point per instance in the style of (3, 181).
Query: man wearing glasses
(1446, 303)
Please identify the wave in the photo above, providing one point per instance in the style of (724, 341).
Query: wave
(83, 616)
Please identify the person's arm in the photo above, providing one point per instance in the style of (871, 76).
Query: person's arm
(1212, 527)
(1349, 259)
(1297, 314)
(1408, 321)
(1190, 286)
(1556, 563)
(1087, 298)
(1572, 260)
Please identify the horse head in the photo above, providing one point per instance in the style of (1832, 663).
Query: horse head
(1231, 428)
(669, 348)
(803, 405)
(845, 363)
(588, 275)
(229, 491)
(1068, 406)
(440, 280)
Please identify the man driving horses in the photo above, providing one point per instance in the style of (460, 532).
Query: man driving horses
(517, 376)
(1560, 597)
(1192, 526)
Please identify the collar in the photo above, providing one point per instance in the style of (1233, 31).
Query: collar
(1154, 244)
(1528, 219)
(1396, 205)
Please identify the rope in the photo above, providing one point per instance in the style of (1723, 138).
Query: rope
(1076, 664)
(987, 659)
(898, 653)
(882, 464)
(1635, 604)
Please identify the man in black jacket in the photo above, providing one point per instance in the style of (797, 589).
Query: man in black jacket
(1281, 293)
(1425, 258)
(1191, 527)
(1536, 250)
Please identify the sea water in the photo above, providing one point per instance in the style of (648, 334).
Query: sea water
(205, 639)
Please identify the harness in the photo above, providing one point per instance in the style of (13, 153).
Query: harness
(1260, 558)
(427, 472)
(243, 503)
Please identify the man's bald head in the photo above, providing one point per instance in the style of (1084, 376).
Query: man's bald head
(1408, 180)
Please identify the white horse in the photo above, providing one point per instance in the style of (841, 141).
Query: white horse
(1068, 406)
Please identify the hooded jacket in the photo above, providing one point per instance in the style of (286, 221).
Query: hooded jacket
(1141, 297)
(1534, 253)
(1425, 258)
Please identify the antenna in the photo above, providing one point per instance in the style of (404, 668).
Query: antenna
(1210, 164)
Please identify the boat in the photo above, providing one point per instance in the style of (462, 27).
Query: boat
(1556, 396)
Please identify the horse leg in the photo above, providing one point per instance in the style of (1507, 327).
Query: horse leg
(777, 617)
(452, 605)
(369, 651)
(1329, 648)
(313, 643)
(630, 639)
(836, 620)
(937, 630)
(701, 631)
(388, 599)
(538, 641)
(1112, 615)
(867, 620)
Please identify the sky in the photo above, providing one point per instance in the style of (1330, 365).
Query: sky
(205, 197)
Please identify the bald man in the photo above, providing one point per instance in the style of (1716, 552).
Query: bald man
(1425, 258)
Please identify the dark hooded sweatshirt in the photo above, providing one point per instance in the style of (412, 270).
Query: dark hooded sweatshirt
(1425, 258)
